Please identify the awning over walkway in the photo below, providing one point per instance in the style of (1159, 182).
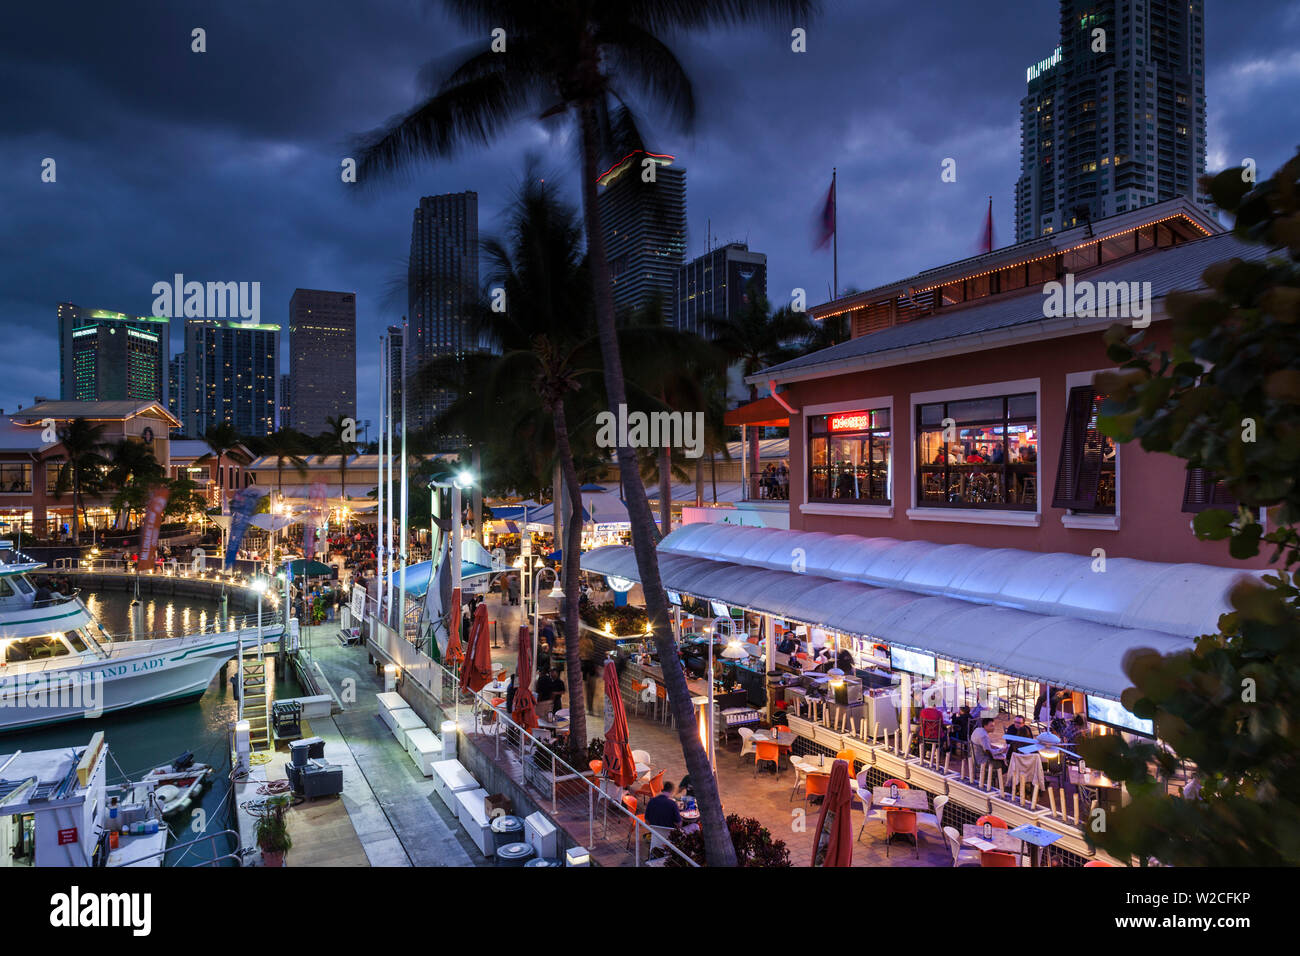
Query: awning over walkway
(1051, 634)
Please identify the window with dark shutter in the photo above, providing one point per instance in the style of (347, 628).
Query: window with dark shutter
(1202, 491)
(1082, 451)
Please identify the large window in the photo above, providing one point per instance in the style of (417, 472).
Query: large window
(848, 456)
(15, 477)
(1085, 476)
(978, 453)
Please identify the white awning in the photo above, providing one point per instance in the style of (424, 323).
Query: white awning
(999, 615)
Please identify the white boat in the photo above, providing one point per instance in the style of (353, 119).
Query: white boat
(57, 663)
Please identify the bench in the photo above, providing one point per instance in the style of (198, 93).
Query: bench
(472, 814)
(425, 749)
(449, 778)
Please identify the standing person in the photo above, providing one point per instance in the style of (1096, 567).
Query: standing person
(543, 657)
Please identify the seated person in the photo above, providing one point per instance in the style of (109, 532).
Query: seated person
(982, 745)
(662, 810)
(962, 722)
(845, 661)
(1075, 730)
(1020, 729)
(787, 644)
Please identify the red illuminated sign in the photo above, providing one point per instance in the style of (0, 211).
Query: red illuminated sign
(851, 422)
(67, 836)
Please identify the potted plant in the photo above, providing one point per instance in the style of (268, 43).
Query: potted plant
(754, 843)
(273, 836)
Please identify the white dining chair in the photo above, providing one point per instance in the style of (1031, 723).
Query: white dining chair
(641, 757)
(934, 819)
(746, 742)
(961, 856)
(801, 771)
(868, 814)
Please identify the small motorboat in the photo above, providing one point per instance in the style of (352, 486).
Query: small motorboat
(177, 785)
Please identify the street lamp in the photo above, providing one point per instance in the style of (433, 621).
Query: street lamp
(462, 480)
(258, 585)
(557, 592)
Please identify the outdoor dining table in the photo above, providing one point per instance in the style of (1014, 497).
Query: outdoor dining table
(907, 799)
(973, 835)
(811, 765)
(782, 740)
(1037, 837)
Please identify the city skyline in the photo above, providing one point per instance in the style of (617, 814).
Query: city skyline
(273, 208)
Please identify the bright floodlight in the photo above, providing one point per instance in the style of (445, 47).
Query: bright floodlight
(259, 585)
(464, 479)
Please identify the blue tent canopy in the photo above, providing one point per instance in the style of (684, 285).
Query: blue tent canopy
(417, 575)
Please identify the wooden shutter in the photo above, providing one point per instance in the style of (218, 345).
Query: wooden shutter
(1202, 491)
(1081, 450)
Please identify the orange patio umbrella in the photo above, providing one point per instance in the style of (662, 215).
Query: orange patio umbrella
(618, 764)
(525, 709)
(833, 835)
(478, 656)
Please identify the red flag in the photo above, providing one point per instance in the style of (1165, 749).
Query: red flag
(153, 512)
(825, 225)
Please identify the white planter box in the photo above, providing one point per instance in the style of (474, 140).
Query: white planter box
(404, 721)
(449, 779)
(473, 817)
(425, 749)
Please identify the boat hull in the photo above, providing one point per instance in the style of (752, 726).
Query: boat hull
(137, 674)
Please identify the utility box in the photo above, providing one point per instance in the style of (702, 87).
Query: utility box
(540, 834)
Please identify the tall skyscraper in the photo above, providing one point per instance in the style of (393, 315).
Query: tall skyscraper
(176, 392)
(322, 358)
(398, 372)
(718, 284)
(231, 374)
(286, 408)
(442, 285)
(1114, 118)
(106, 356)
(644, 224)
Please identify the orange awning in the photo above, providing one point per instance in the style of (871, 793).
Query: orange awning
(766, 412)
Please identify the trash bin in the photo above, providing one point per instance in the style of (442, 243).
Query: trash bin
(775, 692)
(507, 830)
(539, 861)
(514, 854)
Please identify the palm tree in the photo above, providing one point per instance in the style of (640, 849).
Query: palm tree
(332, 443)
(547, 349)
(575, 57)
(287, 447)
(132, 469)
(221, 440)
(81, 467)
(756, 338)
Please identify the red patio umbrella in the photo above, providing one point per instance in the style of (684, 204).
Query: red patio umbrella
(525, 709)
(478, 656)
(618, 764)
(833, 838)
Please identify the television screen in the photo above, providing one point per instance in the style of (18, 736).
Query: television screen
(674, 598)
(911, 661)
(1115, 714)
(719, 609)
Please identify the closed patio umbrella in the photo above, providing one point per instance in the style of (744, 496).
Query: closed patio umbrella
(455, 651)
(618, 764)
(525, 710)
(478, 656)
(833, 837)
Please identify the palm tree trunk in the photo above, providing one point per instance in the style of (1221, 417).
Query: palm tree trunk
(569, 581)
(718, 847)
(699, 482)
(476, 496)
(665, 491)
(713, 477)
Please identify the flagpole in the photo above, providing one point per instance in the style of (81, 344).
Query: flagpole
(379, 526)
(835, 236)
(401, 590)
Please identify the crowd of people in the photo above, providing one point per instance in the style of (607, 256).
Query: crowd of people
(774, 482)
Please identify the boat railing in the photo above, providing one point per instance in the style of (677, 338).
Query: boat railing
(272, 625)
(60, 600)
(206, 838)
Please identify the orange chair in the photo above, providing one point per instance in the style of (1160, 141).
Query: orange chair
(996, 822)
(653, 787)
(901, 823)
(998, 858)
(848, 757)
(894, 782)
(816, 785)
(629, 802)
(596, 766)
(1097, 863)
(767, 750)
(665, 710)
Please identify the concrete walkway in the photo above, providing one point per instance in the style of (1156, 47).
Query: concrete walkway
(392, 806)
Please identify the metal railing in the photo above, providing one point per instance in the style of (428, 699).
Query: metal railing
(578, 804)
(234, 855)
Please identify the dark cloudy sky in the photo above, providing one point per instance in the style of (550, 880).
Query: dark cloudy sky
(225, 165)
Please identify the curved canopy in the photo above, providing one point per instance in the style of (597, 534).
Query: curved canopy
(1019, 613)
